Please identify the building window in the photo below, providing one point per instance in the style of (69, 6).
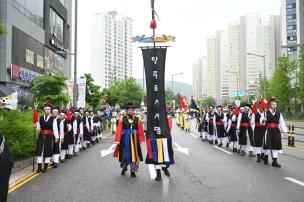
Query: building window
(40, 61)
(29, 56)
(56, 25)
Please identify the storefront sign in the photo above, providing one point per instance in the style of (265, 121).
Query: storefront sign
(23, 74)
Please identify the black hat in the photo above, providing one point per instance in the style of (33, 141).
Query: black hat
(241, 106)
(47, 105)
(219, 106)
(211, 106)
(129, 106)
(248, 105)
(229, 107)
(62, 111)
(55, 109)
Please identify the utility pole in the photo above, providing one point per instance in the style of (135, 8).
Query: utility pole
(75, 91)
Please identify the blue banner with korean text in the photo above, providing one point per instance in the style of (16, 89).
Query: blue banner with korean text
(159, 143)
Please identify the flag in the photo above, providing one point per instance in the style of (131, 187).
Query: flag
(193, 103)
(254, 107)
(181, 102)
(35, 115)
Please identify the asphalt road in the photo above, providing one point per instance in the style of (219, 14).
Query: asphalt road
(205, 174)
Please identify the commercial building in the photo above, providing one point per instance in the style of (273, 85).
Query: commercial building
(199, 78)
(37, 42)
(111, 48)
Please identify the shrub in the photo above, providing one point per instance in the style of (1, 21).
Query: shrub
(18, 130)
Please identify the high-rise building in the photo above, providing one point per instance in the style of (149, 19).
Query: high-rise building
(37, 42)
(199, 78)
(222, 65)
(111, 48)
(212, 83)
(292, 26)
(234, 58)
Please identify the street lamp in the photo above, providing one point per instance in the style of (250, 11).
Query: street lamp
(173, 75)
(261, 56)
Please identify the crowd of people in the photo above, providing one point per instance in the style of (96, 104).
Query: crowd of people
(63, 133)
(243, 128)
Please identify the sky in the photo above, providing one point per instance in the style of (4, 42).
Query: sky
(191, 21)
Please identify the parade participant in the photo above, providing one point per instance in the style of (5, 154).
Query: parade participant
(86, 131)
(63, 139)
(199, 123)
(259, 128)
(187, 121)
(210, 117)
(78, 131)
(94, 127)
(47, 135)
(242, 130)
(275, 122)
(69, 138)
(56, 145)
(205, 124)
(114, 123)
(218, 121)
(232, 117)
(181, 119)
(128, 137)
(250, 142)
(177, 114)
(6, 166)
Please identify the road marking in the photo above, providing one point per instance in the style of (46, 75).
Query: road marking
(181, 149)
(293, 148)
(21, 179)
(216, 147)
(152, 171)
(195, 136)
(295, 181)
(23, 182)
(106, 152)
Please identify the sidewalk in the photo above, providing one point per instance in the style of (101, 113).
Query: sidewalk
(24, 173)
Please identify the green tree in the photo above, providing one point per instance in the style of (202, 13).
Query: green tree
(125, 91)
(51, 89)
(280, 86)
(93, 93)
(2, 29)
(209, 101)
(301, 75)
(263, 84)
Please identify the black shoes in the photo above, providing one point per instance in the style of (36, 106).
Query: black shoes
(39, 170)
(166, 171)
(227, 145)
(123, 171)
(262, 156)
(220, 145)
(234, 150)
(54, 165)
(45, 167)
(215, 142)
(133, 174)
(258, 158)
(275, 163)
(158, 175)
(266, 159)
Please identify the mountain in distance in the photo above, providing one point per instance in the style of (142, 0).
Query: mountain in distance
(178, 87)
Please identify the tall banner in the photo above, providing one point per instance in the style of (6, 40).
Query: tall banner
(159, 143)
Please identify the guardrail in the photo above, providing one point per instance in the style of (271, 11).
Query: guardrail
(291, 135)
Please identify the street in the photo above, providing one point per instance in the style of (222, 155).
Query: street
(201, 173)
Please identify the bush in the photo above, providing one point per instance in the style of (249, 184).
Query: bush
(18, 130)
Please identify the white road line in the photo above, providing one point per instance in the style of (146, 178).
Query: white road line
(295, 181)
(181, 149)
(104, 153)
(216, 147)
(194, 135)
(152, 171)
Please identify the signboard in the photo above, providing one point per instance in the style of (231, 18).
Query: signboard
(81, 83)
(239, 94)
(23, 74)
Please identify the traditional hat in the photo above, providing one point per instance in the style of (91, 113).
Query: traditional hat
(47, 105)
(211, 106)
(56, 109)
(129, 106)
